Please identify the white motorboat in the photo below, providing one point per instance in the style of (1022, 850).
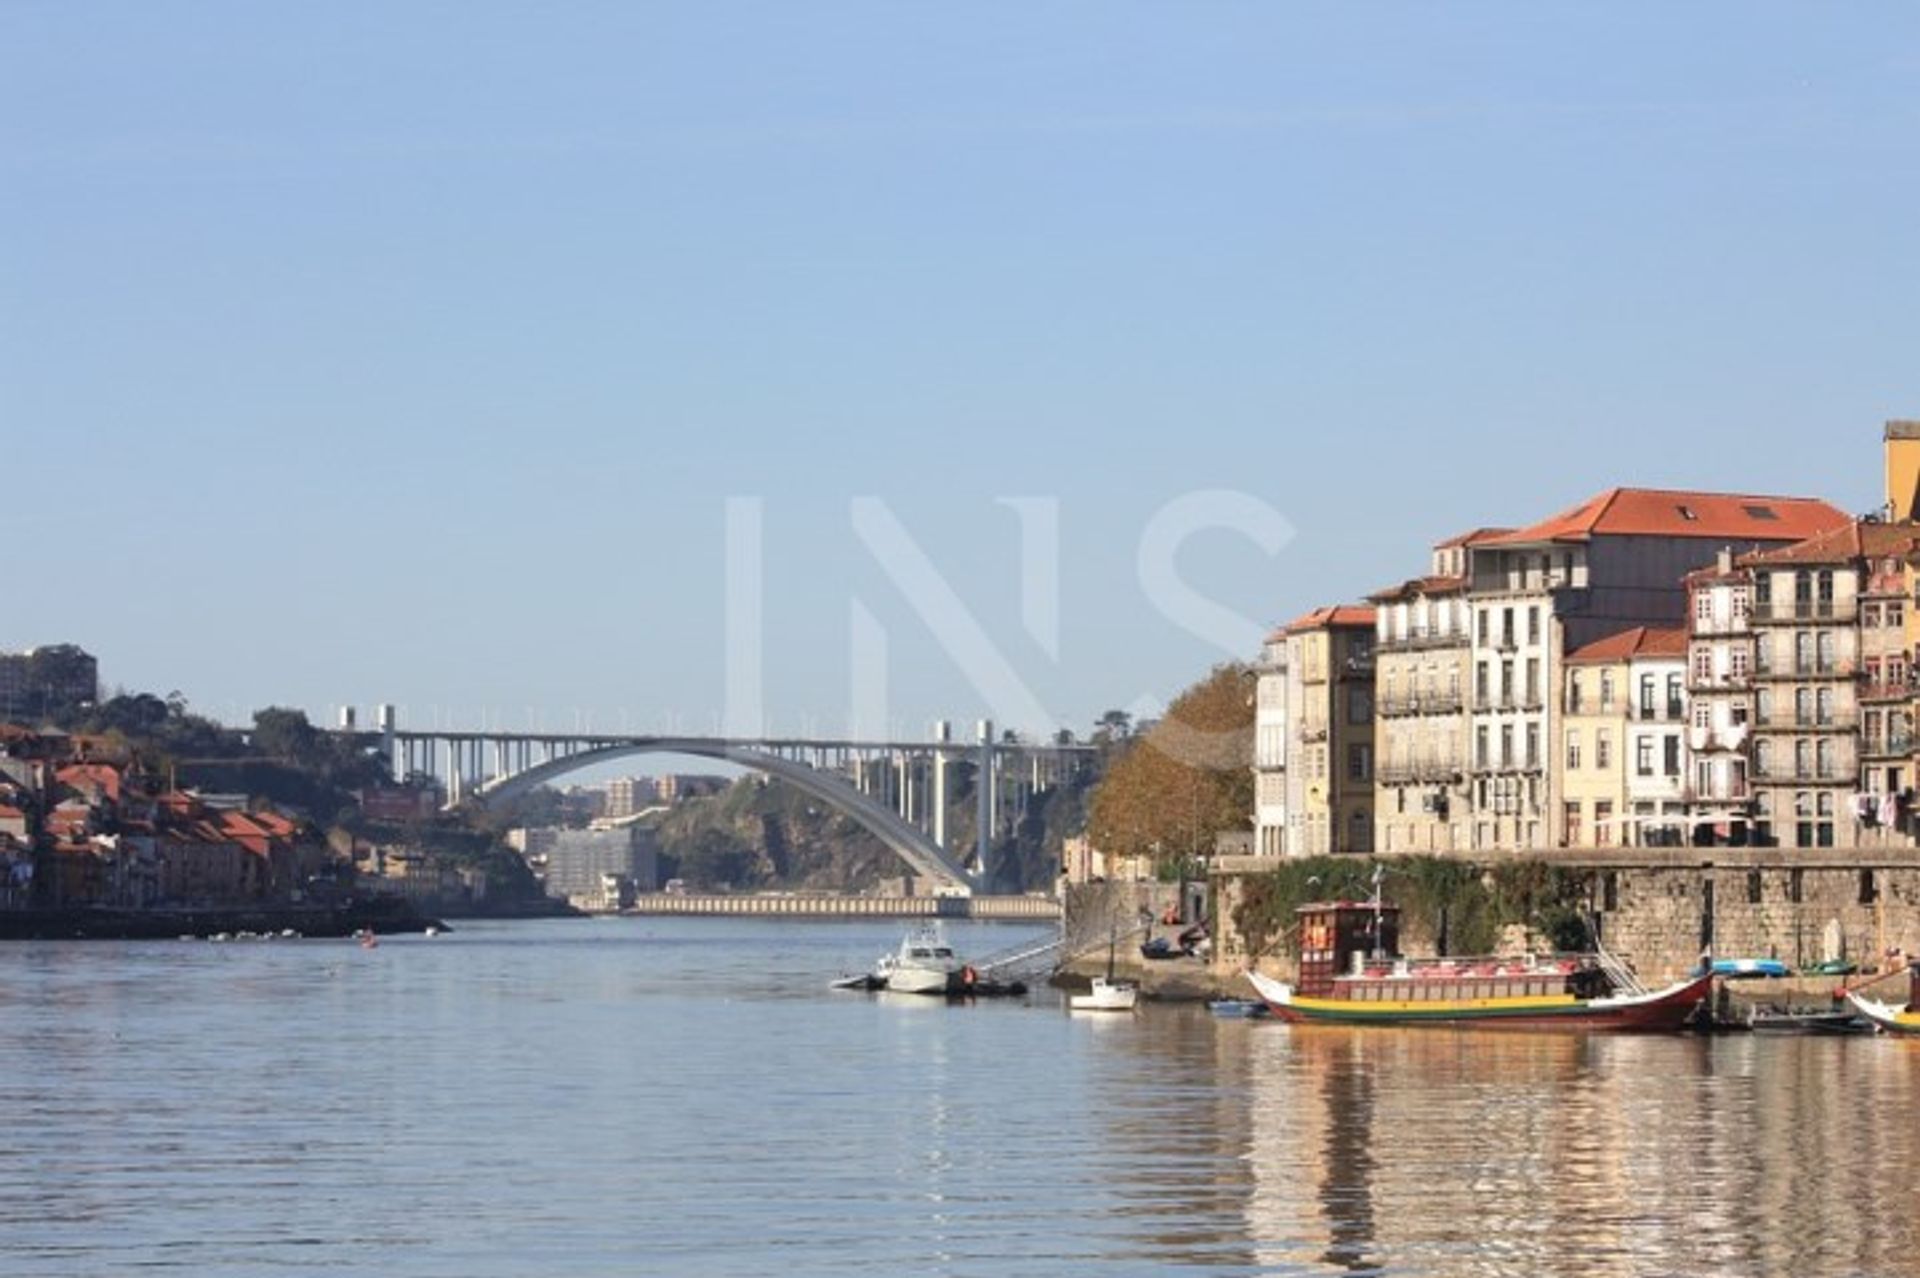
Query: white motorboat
(1106, 996)
(924, 964)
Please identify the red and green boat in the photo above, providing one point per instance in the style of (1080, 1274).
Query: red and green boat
(1350, 974)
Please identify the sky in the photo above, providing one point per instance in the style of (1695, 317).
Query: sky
(426, 353)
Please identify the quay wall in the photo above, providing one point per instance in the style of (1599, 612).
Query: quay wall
(1660, 907)
(849, 907)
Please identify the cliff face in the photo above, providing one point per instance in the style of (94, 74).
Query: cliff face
(759, 835)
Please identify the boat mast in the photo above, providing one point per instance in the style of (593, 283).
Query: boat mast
(1379, 872)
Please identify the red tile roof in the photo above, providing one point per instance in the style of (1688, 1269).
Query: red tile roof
(1858, 539)
(1639, 641)
(1470, 537)
(1336, 615)
(1654, 512)
(1419, 586)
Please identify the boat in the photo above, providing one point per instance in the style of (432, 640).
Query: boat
(1350, 973)
(924, 964)
(1238, 1009)
(1791, 1022)
(1747, 969)
(1107, 994)
(1893, 1018)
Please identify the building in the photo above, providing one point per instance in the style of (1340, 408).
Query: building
(1720, 703)
(628, 795)
(1421, 670)
(578, 862)
(1270, 748)
(1330, 722)
(1815, 784)
(1621, 770)
(1618, 560)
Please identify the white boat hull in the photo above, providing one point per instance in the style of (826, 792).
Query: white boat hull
(1106, 996)
(919, 980)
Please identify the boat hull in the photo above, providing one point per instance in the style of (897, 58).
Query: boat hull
(1662, 1010)
(921, 980)
(1891, 1017)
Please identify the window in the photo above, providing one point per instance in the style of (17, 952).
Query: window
(1606, 691)
(1870, 615)
(1480, 694)
(1796, 883)
(1506, 628)
(1359, 763)
(1803, 760)
(1480, 746)
(1824, 650)
(1603, 823)
(1573, 823)
(1803, 706)
(1762, 757)
(1533, 745)
(1574, 683)
(1573, 749)
(1896, 613)
(1762, 513)
(1702, 716)
(1763, 590)
(1675, 700)
(1739, 601)
(1643, 755)
(1506, 683)
(1670, 757)
(1869, 890)
(1533, 681)
(1646, 696)
(1737, 662)
(1359, 705)
(1603, 748)
(1802, 651)
(1823, 760)
(1753, 887)
(1703, 609)
(1823, 706)
(1763, 705)
(1506, 745)
(1702, 664)
(1486, 632)
(1533, 624)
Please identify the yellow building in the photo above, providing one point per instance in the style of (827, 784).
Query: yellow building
(1330, 725)
(1620, 770)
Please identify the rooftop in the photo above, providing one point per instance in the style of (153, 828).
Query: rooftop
(1637, 641)
(1658, 512)
(1857, 539)
(1333, 616)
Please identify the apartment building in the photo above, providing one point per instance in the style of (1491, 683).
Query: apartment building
(1720, 694)
(1615, 561)
(1270, 748)
(1329, 684)
(1622, 764)
(1421, 672)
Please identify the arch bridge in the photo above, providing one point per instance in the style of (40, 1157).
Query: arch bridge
(898, 791)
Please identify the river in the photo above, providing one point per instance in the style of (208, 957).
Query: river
(685, 1096)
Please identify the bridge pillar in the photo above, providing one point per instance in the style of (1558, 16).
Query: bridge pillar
(942, 731)
(983, 792)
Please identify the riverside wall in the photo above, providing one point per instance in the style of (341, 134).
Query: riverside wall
(1660, 907)
(850, 907)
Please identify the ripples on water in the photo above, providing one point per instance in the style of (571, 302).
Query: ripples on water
(685, 1097)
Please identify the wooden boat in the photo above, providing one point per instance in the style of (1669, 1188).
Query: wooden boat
(1350, 974)
(1893, 1018)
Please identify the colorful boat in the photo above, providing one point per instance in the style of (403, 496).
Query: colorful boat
(1894, 1018)
(1350, 974)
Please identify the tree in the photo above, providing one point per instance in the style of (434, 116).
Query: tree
(1188, 777)
(285, 734)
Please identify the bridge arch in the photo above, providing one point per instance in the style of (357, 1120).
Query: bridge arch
(927, 858)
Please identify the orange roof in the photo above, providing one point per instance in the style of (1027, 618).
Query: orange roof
(1470, 537)
(1420, 586)
(1639, 641)
(1336, 615)
(1857, 539)
(1655, 512)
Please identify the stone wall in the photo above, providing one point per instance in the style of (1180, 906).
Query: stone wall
(1658, 906)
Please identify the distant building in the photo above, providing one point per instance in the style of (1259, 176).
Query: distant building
(577, 862)
(1329, 753)
(627, 795)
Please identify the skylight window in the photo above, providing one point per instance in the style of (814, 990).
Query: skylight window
(1686, 513)
(1761, 512)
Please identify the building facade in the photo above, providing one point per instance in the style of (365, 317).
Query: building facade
(1330, 725)
(1270, 748)
(1422, 670)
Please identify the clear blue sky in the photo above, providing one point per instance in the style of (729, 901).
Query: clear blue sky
(354, 352)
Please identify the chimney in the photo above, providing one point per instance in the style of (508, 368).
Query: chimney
(1903, 470)
(1724, 562)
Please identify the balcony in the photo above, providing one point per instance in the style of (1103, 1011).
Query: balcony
(1884, 691)
(1419, 772)
(1423, 640)
(1659, 712)
(1735, 792)
(1720, 683)
(1398, 707)
(1836, 721)
(1801, 610)
(1313, 732)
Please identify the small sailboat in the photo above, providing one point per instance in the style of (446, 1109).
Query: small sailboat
(1107, 994)
(1892, 1018)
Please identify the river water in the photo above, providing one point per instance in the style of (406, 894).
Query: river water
(685, 1096)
